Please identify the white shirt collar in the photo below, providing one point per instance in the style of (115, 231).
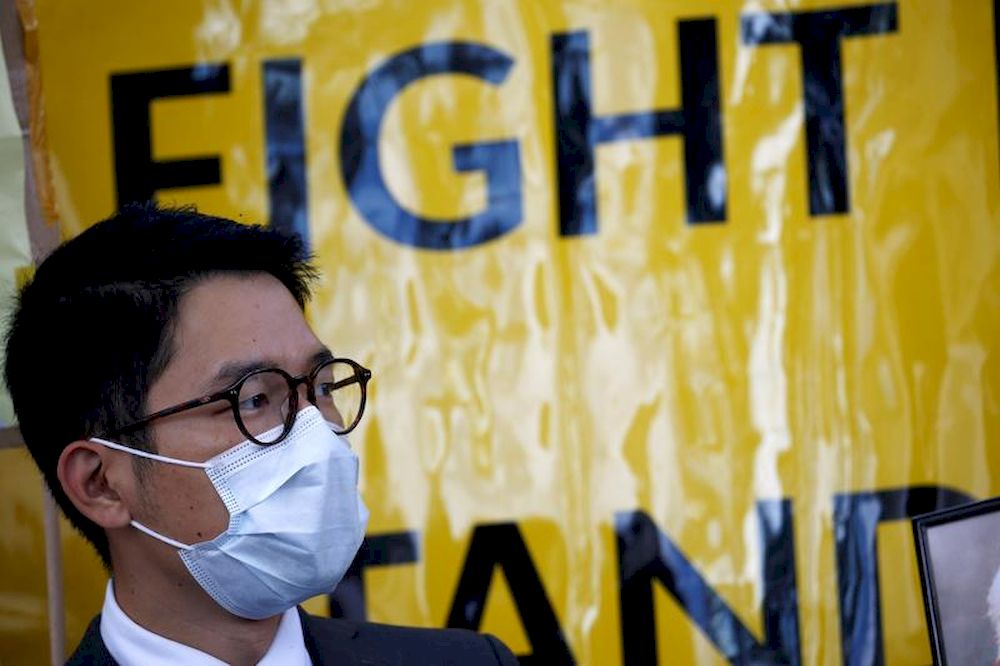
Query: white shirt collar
(131, 644)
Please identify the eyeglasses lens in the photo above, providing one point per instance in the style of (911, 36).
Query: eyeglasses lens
(263, 406)
(338, 392)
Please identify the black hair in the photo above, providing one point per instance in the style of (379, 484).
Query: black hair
(93, 329)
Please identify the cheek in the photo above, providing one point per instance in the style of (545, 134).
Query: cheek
(188, 505)
(200, 438)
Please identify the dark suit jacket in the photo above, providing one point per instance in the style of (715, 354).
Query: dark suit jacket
(333, 642)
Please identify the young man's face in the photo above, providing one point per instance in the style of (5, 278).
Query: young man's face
(223, 322)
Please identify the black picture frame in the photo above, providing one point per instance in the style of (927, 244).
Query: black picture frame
(934, 574)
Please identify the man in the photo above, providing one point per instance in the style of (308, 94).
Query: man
(190, 425)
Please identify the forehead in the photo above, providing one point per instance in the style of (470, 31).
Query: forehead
(235, 319)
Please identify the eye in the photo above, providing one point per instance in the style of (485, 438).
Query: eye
(256, 401)
(325, 389)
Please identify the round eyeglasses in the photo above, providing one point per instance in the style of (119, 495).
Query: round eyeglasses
(264, 402)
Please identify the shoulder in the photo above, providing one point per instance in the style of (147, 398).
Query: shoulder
(403, 645)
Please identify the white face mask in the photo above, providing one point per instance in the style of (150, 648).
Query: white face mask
(296, 519)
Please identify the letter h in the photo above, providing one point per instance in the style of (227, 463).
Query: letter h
(578, 131)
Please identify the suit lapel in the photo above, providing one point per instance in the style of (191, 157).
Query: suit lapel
(330, 641)
(91, 650)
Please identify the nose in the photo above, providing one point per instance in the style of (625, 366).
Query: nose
(295, 401)
(305, 382)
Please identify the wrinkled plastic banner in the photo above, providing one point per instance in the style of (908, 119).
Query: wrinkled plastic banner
(677, 310)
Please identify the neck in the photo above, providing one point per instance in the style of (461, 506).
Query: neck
(180, 610)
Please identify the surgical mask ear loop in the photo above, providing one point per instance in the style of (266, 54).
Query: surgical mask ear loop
(146, 454)
(156, 535)
(164, 459)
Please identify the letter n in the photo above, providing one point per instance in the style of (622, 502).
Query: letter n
(647, 555)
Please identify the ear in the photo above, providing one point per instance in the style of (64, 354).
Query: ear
(91, 476)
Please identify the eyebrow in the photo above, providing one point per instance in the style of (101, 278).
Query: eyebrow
(231, 372)
(322, 355)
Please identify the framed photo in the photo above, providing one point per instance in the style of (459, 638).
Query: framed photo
(958, 553)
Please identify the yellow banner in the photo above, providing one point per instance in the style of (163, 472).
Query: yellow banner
(677, 311)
